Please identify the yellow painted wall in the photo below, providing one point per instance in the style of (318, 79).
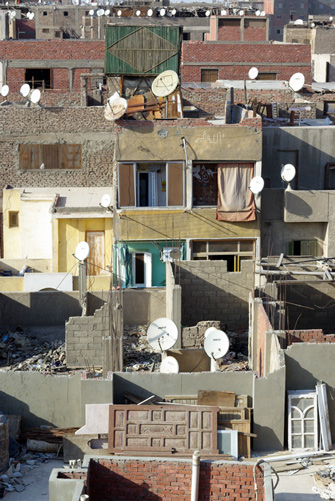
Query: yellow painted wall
(11, 236)
(172, 225)
(73, 231)
(11, 284)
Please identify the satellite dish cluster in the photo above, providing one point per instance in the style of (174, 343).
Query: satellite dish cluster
(31, 95)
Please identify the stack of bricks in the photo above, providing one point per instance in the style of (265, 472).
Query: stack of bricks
(309, 336)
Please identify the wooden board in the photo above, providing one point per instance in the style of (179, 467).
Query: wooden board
(219, 398)
(160, 428)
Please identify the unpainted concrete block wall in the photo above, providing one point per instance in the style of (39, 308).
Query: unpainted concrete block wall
(193, 337)
(84, 339)
(153, 478)
(209, 292)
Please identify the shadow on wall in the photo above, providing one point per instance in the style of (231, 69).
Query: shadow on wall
(209, 292)
(102, 483)
(12, 406)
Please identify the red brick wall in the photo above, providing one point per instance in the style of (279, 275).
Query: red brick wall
(254, 34)
(263, 325)
(229, 33)
(309, 336)
(128, 479)
(282, 54)
(52, 50)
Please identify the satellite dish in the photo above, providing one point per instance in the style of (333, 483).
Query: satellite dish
(256, 185)
(82, 251)
(30, 15)
(91, 12)
(119, 13)
(107, 12)
(174, 12)
(288, 173)
(207, 13)
(216, 344)
(35, 96)
(138, 13)
(312, 25)
(297, 81)
(106, 200)
(169, 365)
(42, 166)
(150, 12)
(100, 12)
(263, 13)
(162, 334)
(162, 12)
(241, 12)
(165, 83)
(223, 12)
(175, 254)
(298, 22)
(4, 90)
(253, 73)
(331, 18)
(209, 330)
(115, 108)
(258, 13)
(25, 89)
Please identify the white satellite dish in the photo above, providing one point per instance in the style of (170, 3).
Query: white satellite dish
(162, 334)
(82, 251)
(263, 13)
(115, 108)
(25, 89)
(297, 81)
(331, 18)
(119, 13)
(241, 12)
(258, 13)
(216, 344)
(209, 330)
(169, 366)
(207, 13)
(223, 12)
(165, 83)
(162, 12)
(30, 15)
(35, 96)
(91, 12)
(253, 73)
(288, 173)
(100, 12)
(138, 13)
(107, 12)
(174, 12)
(312, 25)
(256, 185)
(298, 22)
(4, 90)
(106, 200)
(150, 12)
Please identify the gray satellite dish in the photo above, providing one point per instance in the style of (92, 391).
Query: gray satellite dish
(288, 173)
(165, 83)
(162, 334)
(169, 365)
(25, 89)
(216, 344)
(82, 251)
(297, 81)
(4, 90)
(256, 185)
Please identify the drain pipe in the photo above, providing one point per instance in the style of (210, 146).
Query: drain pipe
(195, 475)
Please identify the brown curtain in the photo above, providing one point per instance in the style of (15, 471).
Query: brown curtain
(235, 200)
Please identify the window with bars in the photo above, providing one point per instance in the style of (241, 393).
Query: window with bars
(50, 156)
(209, 75)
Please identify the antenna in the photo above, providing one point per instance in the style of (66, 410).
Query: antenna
(162, 334)
(169, 365)
(25, 89)
(4, 90)
(288, 173)
(82, 251)
(106, 201)
(165, 83)
(253, 73)
(35, 96)
(216, 346)
(297, 81)
(256, 185)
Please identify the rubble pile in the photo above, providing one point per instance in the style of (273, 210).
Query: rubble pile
(137, 352)
(20, 352)
(325, 483)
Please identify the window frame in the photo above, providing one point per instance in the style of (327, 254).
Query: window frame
(237, 253)
(13, 219)
(38, 156)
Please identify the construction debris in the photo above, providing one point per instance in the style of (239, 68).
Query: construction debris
(22, 352)
(138, 354)
(325, 483)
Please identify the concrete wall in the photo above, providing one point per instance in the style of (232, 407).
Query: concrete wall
(209, 292)
(143, 306)
(173, 300)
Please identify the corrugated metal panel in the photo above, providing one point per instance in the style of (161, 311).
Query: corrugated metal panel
(162, 428)
(147, 50)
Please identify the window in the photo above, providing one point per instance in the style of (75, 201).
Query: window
(266, 76)
(280, 6)
(209, 75)
(13, 219)
(142, 269)
(232, 251)
(305, 248)
(45, 13)
(151, 184)
(45, 30)
(278, 17)
(38, 77)
(205, 185)
(66, 13)
(302, 6)
(50, 156)
(186, 36)
(306, 41)
(278, 32)
(295, 40)
(330, 176)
